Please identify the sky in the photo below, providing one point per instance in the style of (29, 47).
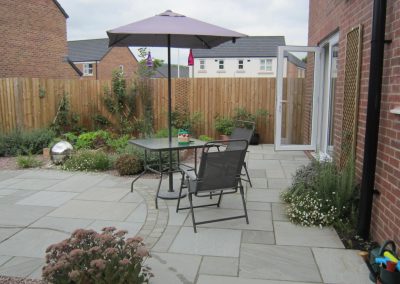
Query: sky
(90, 19)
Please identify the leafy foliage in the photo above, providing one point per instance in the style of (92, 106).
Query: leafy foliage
(241, 114)
(224, 125)
(92, 140)
(87, 160)
(65, 120)
(29, 161)
(19, 142)
(184, 120)
(205, 138)
(321, 195)
(163, 133)
(128, 164)
(91, 257)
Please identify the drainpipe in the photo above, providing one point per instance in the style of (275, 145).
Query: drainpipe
(373, 114)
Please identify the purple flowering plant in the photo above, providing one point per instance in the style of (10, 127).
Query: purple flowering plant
(91, 257)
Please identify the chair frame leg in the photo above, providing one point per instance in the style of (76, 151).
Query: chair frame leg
(180, 193)
(244, 202)
(247, 174)
(192, 212)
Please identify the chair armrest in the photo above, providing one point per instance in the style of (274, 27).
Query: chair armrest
(189, 171)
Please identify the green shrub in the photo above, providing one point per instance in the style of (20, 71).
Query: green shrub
(224, 125)
(87, 160)
(152, 157)
(128, 165)
(118, 144)
(92, 140)
(90, 257)
(29, 161)
(163, 133)
(205, 138)
(70, 137)
(24, 143)
(321, 195)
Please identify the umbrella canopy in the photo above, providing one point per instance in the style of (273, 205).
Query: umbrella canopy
(184, 32)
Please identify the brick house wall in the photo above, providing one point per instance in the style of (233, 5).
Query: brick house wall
(113, 59)
(33, 40)
(338, 15)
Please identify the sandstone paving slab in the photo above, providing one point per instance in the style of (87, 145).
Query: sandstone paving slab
(139, 213)
(341, 266)
(257, 173)
(176, 219)
(278, 263)
(254, 205)
(213, 279)
(78, 183)
(47, 198)
(99, 210)
(258, 220)
(131, 197)
(264, 195)
(21, 215)
(259, 182)
(173, 268)
(5, 233)
(258, 237)
(103, 193)
(4, 259)
(13, 198)
(287, 233)
(214, 265)
(34, 184)
(278, 183)
(275, 173)
(166, 239)
(132, 228)
(9, 174)
(279, 212)
(264, 164)
(21, 266)
(8, 191)
(255, 156)
(67, 225)
(31, 242)
(45, 174)
(5, 183)
(207, 241)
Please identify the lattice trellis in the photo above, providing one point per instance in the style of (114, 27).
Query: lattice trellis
(182, 96)
(351, 93)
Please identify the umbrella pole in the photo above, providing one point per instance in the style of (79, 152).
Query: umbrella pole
(171, 180)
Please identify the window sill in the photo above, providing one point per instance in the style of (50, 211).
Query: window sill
(265, 72)
(202, 71)
(87, 75)
(221, 71)
(240, 71)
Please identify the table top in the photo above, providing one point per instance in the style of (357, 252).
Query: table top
(159, 144)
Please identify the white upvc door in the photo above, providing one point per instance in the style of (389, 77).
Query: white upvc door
(298, 91)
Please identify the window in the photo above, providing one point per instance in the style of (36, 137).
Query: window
(266, 65)
(121, 68)
(88, 69)
(202, 64)
(240, 64)
(221, 64)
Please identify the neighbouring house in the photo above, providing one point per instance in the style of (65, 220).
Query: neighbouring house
(343, 30)
(254, 56)
(96, 60)
(34, 40)
(162, 71)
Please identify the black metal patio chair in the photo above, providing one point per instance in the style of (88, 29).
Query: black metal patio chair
(219, 173)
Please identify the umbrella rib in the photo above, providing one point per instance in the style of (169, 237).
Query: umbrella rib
(205, 43)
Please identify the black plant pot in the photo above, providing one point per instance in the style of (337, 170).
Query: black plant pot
(255, 139)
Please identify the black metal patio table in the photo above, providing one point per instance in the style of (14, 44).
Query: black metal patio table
(161, 145)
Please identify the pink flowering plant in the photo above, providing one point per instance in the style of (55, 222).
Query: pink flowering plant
(91, 257)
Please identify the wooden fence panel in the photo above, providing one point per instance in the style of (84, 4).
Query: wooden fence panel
(29, 103)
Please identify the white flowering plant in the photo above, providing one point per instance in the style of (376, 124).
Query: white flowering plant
(88, 160)
(321, 195)
(91, 257)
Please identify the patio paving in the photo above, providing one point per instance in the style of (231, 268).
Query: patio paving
(40, 207)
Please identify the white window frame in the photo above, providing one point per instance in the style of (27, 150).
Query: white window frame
(86, 70)
(240, 64)
(266, 64)
(221, 64)
(121, 67)
(202, 64)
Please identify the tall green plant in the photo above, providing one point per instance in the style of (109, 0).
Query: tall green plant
(120, 102)
(65, 120)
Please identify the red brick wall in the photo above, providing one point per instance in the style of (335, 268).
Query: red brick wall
(114, 58)
(33, 40)
(325, 18)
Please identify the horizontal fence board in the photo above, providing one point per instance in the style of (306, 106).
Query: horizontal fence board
(30, 103)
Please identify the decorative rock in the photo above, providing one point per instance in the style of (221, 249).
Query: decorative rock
(60, 151)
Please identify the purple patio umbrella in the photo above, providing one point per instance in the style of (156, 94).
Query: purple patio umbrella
(170, 29)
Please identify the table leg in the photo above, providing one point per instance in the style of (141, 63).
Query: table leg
(144, 170)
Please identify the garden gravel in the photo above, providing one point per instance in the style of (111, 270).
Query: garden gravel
(18, 280)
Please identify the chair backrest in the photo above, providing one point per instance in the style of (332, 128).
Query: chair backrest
(220, 170)
(245, 132)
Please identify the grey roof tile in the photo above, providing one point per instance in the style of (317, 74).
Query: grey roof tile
(87, 50)
(252, 46)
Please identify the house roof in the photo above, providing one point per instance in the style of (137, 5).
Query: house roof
(87, 50)
(162, 71)
(252, 46)
(61, 9)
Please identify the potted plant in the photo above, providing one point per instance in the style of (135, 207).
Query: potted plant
(241, 114)
(224, 126)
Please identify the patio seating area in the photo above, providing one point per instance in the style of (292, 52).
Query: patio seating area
(41, 207)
